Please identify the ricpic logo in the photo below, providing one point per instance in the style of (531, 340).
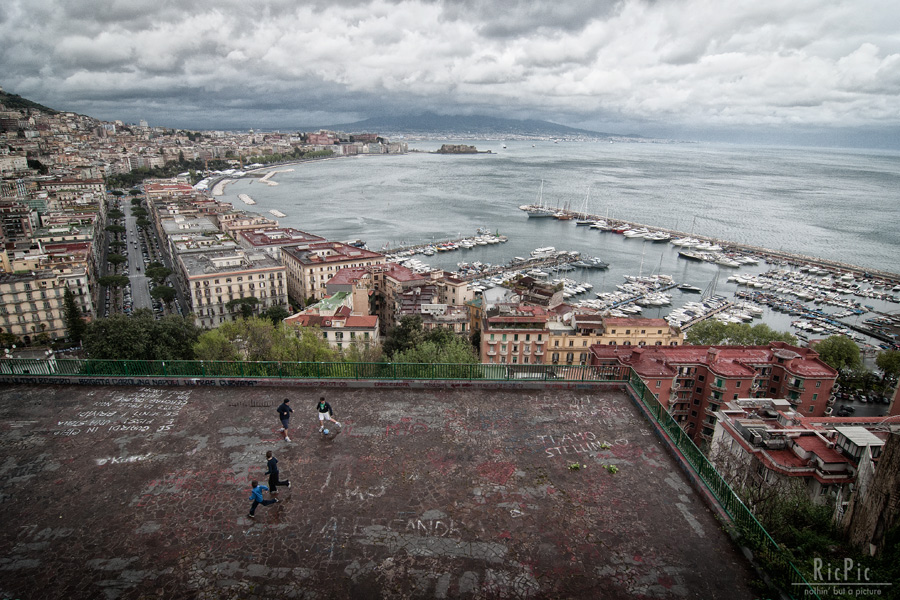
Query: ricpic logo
(844, 578)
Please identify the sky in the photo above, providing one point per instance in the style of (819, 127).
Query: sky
(757, 70)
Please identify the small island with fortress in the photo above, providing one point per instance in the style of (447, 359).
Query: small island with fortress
(459, 149)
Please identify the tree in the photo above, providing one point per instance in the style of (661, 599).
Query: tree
(75, 325)
(246, 305)
(115, 260)
(406, 334)
(141, 337)
(713, 333)
(276, 314)
(456, 350)
(158, 274)
(839, 352)
(134, 192)
(139, 212)
(115, 229)
(115, 213)
(164, 293)
(889, 363)
(258, 339)
(142, 222)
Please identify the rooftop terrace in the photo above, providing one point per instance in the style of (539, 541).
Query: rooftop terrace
(121, 492)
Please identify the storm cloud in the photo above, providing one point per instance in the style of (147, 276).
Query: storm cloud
(639, 65)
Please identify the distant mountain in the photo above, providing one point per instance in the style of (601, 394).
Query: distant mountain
(466, 126)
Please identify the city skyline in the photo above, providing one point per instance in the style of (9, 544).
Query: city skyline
(810, 73)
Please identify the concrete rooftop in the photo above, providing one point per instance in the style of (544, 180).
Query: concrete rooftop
(117, 492)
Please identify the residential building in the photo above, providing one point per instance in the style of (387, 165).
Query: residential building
(764, 443)
(339, 326)
(273, 240)
(213, 279)
(571, 339)
(692, 382)
(311, 266)
(31, 305)
(514, 334)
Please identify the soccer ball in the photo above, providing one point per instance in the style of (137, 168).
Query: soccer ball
(325, 431)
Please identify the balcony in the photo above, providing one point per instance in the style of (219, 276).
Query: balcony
(492, 342)
(538, 352)
(718, 385)
(795, 385)
(492, 352)
(679, 412)
(711, 412)
(706, 436)
(540, 342)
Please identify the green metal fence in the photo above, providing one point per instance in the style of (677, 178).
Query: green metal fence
(758, 539)
(64, 367)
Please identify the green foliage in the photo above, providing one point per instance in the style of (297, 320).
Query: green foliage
(158, 274)
(75, 325)
(164, 293)
(839, 352)
(714, 333)
(889, 362)
(142, 222)
(138, 211)
(258, 339)
(403, 336)
(114, 281)
(363, 353)
(141, 337)
(116, 229)
(116, 259)
(115, 213)
(276, 314)
(245, 305)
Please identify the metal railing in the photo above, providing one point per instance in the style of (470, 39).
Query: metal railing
(68, 367)
(757, 538)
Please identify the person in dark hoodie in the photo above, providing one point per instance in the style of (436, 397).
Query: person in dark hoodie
(257, 497)
(284, 413)
(272, 472)
(325, 412)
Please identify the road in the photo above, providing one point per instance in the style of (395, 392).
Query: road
(140, 283)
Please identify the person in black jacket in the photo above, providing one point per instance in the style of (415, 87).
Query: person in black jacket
(284, 413)
(272, 472)
(325, 412)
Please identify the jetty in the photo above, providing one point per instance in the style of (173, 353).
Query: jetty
(246, 199)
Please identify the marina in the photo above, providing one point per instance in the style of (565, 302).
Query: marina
(716, 219)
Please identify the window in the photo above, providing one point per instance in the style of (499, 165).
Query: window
(515, 337)
(818, 384)
(737, 384)
(627, 332)
(556, 343)
(775, 378)
(701, 377)
(658, 383)
(812, 408)
(527, 337)
(643, 331)
(815, 397)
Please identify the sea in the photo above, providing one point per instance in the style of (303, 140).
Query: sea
(836, 204)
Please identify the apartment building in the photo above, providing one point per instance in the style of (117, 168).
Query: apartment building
(339, 326)
(31, 305)
(311, 266)
(571, 339)
(271, 241)
(515, 334)
(763, 442)
(215, 278)
(692, 382)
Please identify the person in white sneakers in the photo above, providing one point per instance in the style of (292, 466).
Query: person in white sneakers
(284, 413)
(325, 412)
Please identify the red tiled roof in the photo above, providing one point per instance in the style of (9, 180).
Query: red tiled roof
(362, 322)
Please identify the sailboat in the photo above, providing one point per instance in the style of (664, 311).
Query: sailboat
(582, 216)
(538, 211)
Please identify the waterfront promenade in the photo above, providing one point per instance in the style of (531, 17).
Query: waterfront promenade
(132, 492)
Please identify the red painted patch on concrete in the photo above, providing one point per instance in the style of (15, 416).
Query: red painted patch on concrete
(496, 472)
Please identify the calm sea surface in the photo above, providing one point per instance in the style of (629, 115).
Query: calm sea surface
(842, 205)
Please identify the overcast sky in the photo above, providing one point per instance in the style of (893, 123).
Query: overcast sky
(683, 68)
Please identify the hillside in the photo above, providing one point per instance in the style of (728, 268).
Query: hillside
(16, 102)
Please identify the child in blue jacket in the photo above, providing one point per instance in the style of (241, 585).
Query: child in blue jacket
(257, 497)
